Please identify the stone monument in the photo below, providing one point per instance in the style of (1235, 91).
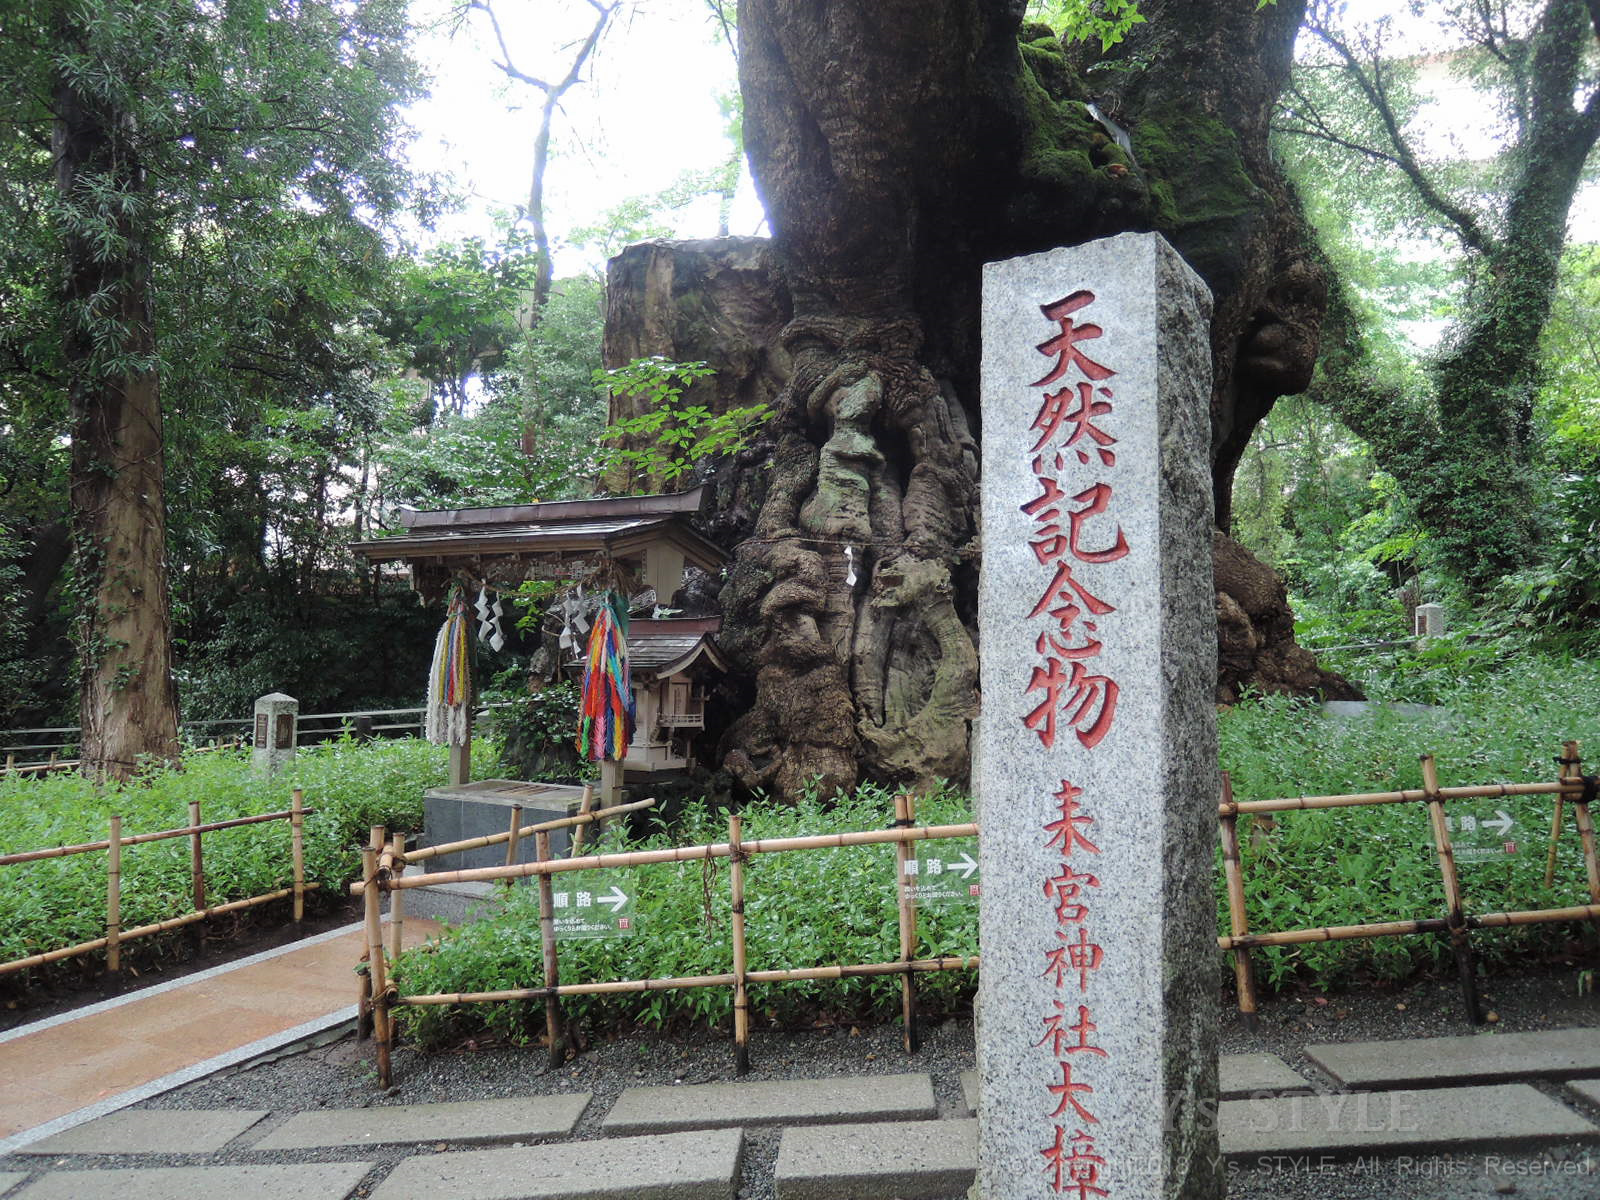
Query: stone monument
(1097, 1019)
(276, 732)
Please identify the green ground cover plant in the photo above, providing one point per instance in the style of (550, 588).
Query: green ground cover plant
(1494, 721)
(1503, 723)
(807, 908)
(60, 902)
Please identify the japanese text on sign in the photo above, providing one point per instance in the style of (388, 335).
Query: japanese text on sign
(1072, 455)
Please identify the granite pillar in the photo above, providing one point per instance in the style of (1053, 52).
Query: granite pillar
(1097, 1030)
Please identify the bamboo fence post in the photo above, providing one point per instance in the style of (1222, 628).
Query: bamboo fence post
(397, 898)
(1455, 915)
(297, 849)
(197, 875)
(741, 989)
(584, 806)
(197, 866)
(372, 897)
(364, 997)
(114, 899)
(516, 833)
(905, 811)
(11, 764)
(1570, 764)
(1244, 975)
(1584, 820)
(555, 1031)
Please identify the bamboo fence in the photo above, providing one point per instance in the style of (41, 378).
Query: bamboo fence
(113, 844)
(380, 996)
(1571, 788)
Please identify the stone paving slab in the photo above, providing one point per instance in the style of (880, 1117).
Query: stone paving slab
(1476, 1058)
(671, 1166)
(301, 1181)
(1244, 1075)
(797, 1102)
(1589, 1089)
(7, 1178)
(1494, 1115)
(150, 1131)
(905, 1159)
(467, 1121)
(1241, 1076)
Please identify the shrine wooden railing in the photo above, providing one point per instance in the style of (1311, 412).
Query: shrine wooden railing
(386, 859)
(1572, 787)
(112, 846)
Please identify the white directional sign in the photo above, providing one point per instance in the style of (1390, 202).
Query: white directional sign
(1483, 832)
(592, 904)
(944, 873)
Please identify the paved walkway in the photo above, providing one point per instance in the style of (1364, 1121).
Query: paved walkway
(851, 1138)
(1521, 1099)
(59, 1071)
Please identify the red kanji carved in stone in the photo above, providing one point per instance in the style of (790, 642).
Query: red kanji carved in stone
(1064, 344)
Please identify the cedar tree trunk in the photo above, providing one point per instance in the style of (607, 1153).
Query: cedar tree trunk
(127, 698)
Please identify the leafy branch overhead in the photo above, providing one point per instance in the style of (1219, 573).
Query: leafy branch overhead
(667, 439)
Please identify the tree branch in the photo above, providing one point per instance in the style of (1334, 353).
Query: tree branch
(1467, 226)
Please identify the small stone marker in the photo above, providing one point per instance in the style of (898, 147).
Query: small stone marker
(1429, 620)
(1096, 1042)
(277, 730)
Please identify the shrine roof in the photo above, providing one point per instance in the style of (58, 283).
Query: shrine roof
(618, 526)
(656, 649)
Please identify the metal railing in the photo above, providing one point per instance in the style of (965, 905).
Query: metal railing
(49, 748)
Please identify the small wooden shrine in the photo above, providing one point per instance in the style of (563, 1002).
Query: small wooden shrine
(631, 542)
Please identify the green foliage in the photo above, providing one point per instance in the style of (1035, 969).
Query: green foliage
(1498, 722)
(1080, 20)
(59, 902)
(537, 734)
(530, 434)
(807, 908)
(669, 439)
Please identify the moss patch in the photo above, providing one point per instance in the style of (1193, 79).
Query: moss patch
(1204, 199)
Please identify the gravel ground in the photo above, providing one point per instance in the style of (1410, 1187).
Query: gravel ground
(339, 1074)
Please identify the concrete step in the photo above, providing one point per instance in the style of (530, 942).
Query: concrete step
(672, 1166)
(471, 1121)
(150, 1131)
(1476, 1058)
(1494, 1115)
(301, 1181)
(1244, 1075)
(1240, 1076)
(453, 903)
(786, 1102)
(910, 1160)
(1589, 1089)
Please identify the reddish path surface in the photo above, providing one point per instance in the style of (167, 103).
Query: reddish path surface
(58, 1066)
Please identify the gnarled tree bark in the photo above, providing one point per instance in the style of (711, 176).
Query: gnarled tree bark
(898, 146)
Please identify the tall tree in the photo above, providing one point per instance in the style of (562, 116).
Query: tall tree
(552, 88)
(897, 146)
(182, 138)
(1461, 438)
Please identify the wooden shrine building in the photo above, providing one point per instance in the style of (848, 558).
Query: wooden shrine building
(631, 542)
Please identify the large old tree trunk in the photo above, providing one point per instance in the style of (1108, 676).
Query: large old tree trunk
(897, 147)
(127, 699)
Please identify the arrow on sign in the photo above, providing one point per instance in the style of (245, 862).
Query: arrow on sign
(965, 864)
(1503, 824)
(616, 899)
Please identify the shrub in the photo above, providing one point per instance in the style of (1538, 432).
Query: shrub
(805, 908)
(60, 902)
